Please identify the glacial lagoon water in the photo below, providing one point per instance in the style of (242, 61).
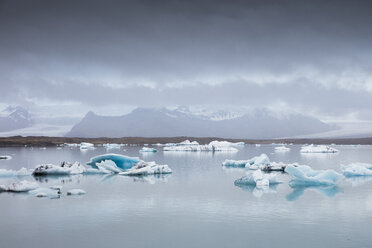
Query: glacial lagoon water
(196, 206)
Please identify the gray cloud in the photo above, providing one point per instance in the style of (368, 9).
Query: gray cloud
(309, 55)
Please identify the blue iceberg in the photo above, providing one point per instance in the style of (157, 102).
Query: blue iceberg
(305, 176)
(121, 161)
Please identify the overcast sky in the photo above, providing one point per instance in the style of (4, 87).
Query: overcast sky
(68, 57)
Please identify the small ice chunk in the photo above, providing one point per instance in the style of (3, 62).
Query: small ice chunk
(112, 146)
(147, 168)
(76, 192)
(305, 176)
(46, 192)
(148, 149)
(258, 178)
(258, 162)
(282, 149)
(65, 168)
(318, 149)
(235, 163)
(21, 186)
(357, 169)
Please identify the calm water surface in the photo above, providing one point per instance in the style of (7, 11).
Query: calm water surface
(196, 206)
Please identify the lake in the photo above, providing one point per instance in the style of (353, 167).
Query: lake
(197, 205)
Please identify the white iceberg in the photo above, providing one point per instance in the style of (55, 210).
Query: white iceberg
(86, 146)
(65, 168)
(15, 173)
(147, 168)
(6, 157)
(21, 186)
(111, 146)
(187, 146)
(51, 192)
(261, 162)
(357, 169)
(76, 192)
(282, 149)
(305, 176)
(148, 149)
(318, 149)
(258, 178)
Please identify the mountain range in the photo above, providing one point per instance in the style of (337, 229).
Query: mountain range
(163, 122)
(13, 118)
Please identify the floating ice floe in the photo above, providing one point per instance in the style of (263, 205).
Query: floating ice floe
(305, 176)
(261, 162)
(65, 168)
(147, 168)
(112, 146)
(51, 192)
(21, 186)
(86, 146)
(318, 149)
(282, 149)
(258, 145)
(194, 146)
(76, 192)
(15, 173)
(148, 149)
(6, 157)
(258, 178)
(70, 145)
(357, 169)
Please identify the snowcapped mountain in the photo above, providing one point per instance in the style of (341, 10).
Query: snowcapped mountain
(163, 122)
(13, 118)
(202, 113)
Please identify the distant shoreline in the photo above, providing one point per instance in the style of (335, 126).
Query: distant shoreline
(17, 141)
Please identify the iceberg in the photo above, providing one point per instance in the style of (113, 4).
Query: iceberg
(147, 168)
(76, 192)
(257, 178)
(195, 147)
(65, 168)
(114, 163)
(15, 173)
(235, 163)
(21, 186)
(318, 149)
(282, 149)
(86, 145)
(109, 146)
(217, 143)
(51, 192)
(357, 169)
(261, 162)
(121, 161)
(6, 157)
(305, 176)
(148, 149)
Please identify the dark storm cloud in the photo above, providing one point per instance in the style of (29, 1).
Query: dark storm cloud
(310, 53)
